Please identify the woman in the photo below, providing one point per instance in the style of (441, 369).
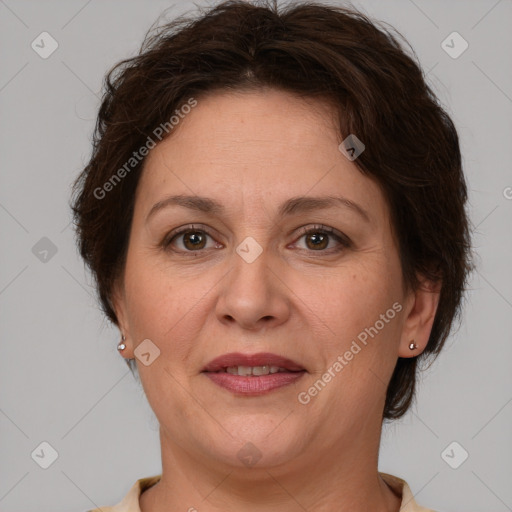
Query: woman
(274, 213)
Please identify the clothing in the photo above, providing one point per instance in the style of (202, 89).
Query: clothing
(130, 502)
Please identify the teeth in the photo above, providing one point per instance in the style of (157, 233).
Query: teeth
(247, 371)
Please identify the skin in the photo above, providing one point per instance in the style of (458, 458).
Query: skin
(251, 151)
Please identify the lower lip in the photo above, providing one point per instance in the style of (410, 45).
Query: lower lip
(254, 385)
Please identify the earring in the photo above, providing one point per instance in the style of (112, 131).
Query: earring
(122, 346)
(412, 345)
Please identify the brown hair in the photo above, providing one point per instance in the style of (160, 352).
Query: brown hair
(317, 51)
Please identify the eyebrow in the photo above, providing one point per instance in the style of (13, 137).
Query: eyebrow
(294, 205)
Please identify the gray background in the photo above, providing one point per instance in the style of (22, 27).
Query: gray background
(61, 378)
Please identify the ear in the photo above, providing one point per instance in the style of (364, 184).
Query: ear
(419, 317)
(118, 302)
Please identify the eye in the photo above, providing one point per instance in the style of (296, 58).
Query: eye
(192, 238)
(195, 238)
(317, 238)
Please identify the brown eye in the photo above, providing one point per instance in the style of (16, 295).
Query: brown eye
(189, 239)
(317, 238)
(194, 240)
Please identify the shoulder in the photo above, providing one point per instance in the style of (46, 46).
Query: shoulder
(130, 503)
(401, 488)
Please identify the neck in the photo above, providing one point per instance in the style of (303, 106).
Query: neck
(342, 478)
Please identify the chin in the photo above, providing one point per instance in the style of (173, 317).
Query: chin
(257, 441)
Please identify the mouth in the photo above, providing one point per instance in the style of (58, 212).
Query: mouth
(263, 363)
(255, 374)
(254, 371)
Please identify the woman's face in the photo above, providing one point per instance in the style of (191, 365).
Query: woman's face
(247, 279)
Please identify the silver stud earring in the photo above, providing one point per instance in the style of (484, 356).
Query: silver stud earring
(121, 345)
(412, 345)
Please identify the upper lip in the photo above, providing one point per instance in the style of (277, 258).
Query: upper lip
(261, 359)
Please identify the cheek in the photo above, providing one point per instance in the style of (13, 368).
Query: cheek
(164, 307)
(153, 299)
(148, 297)
(343, 304)
(359, 351)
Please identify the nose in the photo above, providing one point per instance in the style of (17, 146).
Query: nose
(252, 295)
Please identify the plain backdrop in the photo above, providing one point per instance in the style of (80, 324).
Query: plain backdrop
(62, 381)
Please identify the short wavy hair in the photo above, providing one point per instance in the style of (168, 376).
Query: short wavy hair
(336, 54)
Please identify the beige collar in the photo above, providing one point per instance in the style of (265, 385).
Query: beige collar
(130, 502)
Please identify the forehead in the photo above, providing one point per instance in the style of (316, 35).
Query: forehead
(268, 143)
(233, 124)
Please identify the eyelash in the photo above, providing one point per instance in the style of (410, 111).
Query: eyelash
(317, 228)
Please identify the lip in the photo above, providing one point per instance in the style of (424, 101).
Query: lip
(253, 386)
(260, 359)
